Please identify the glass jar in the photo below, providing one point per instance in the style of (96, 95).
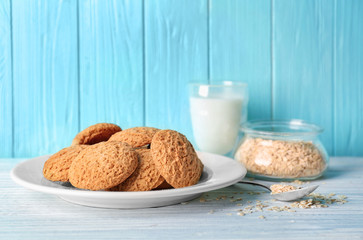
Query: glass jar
(282, 150)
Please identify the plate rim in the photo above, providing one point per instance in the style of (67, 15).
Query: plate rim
(195, 189)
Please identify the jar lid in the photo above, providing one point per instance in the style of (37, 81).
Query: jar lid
(294, 127)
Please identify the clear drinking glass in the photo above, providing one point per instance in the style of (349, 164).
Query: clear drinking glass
(217, 110)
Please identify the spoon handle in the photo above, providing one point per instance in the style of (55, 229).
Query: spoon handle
(255, 183)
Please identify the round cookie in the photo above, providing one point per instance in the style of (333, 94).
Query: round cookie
(136, 137)
(145, 177)
(176, 159)
(57, 166)
(103, 165)
(96, 133)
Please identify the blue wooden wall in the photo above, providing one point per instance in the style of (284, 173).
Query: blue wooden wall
(67, 64)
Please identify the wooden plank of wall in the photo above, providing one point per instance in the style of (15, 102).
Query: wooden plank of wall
(111, 62)
(176, 52)
(45, 75)
(6, 119)
(349, 78)
(303, 63)
(240, 49)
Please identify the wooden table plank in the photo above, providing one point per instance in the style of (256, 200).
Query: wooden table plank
(45, 73)
(348, 78)
(33, 215)
(6, 80)
(176, 52)
(111, 62)
(302, 63)
(240, 49)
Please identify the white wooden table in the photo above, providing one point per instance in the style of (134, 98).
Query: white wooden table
(25, 214)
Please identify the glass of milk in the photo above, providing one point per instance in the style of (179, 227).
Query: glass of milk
(217, 110)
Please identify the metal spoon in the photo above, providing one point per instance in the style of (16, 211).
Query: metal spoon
(285, 196)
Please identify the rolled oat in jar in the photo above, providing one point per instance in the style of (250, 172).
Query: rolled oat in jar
(282, 150)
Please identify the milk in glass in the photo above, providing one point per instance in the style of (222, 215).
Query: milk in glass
(216, 122)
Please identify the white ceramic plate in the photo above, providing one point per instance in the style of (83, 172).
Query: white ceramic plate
(219, 172)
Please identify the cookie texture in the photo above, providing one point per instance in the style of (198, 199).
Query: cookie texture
(136, 137)
(164, 185)
(57, 166)
(96, 133)
(145, 177)
(176, 159)
(103, 166)
(160, 182)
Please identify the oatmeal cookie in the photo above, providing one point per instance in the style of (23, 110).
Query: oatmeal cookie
(96, 133)
(136, 137)
(176, 159)
(57, 166)
(103, 166)
(145, 177)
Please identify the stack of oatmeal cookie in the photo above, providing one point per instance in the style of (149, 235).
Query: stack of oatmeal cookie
(105, 157)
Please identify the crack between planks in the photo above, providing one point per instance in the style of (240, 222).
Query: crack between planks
(208, 41)
(334, 151)
(143, 64)
(272, 60)
(12, 81)
(78, 70)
